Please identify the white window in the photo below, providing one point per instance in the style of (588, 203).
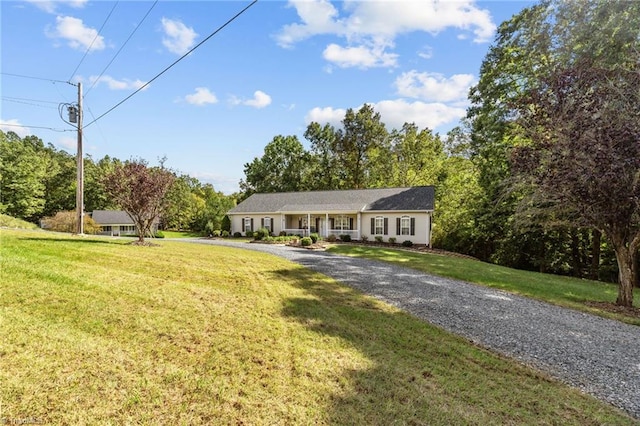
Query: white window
(267, 221)
(379, 226)
(247, 224)
(405, 225)
(341, 223)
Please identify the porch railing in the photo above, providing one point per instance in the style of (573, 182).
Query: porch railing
(337, 232)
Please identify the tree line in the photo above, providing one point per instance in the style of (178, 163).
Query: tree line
(38, 181)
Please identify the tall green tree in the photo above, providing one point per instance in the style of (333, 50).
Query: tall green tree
(362, 148)
(325, 171)
(562, 84)
(95, 195)
(280, 169)
(417, 157)
(22, 176)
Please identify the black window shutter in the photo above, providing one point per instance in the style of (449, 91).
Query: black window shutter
(386, 225)
(397, 226)
(373, 226)
(351, 223)
(413, 226)
(262, 222)
(251, 224)
(317, 224)
(331, 223)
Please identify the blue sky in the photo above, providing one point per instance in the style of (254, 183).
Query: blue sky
(276, 68)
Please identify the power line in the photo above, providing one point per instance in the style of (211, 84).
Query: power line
(38, 127)
(175, 62)
(36, 78)
(27, 101)
(122, 47)
(94, 40)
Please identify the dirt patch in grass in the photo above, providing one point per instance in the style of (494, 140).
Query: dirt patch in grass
(616, 309)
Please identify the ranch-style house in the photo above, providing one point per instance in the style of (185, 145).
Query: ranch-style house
(400, 213)
(117, 223)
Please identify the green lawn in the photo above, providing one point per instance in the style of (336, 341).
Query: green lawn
(98, 331)
(563, 291)
(181, 234)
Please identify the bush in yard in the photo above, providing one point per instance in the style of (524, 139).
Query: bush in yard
(158, 234)
(392, 240)
(66, 221)
(364, 238)
(209, 228)
(261, 234)
(306, 241)
(237, 234)
(249, 234)
(332, 238)
(226, 224)
(282, 234)
(314, 237)
(217, 233)
(345, 238)
(378, 239)
(407, 243)
(224, 234)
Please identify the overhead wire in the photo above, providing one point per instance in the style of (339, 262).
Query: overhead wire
(38, 127)
(175, 62)
(36, 78)
(121, 47)
(94, 40)
(31, 102)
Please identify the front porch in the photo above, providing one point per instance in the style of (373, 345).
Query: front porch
(322, 224)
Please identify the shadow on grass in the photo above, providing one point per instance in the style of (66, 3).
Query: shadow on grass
(69, 240)
(419, 374)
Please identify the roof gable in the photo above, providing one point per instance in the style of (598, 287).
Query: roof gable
(418, 198)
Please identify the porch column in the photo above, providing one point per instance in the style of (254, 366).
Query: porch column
(359, 216)
(326, 225)
(308, 224)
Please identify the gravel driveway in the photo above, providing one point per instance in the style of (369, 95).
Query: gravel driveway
(597, 355)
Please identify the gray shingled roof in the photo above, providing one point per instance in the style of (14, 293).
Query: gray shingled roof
(111, 217)
(418, 198)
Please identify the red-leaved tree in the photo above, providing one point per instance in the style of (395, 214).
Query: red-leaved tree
(141, 191)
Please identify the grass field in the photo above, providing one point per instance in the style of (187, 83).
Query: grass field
(97, 331)
(564, 291)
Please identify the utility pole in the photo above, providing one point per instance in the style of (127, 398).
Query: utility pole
(80, 166)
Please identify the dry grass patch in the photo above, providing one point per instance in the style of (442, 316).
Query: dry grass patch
(96, 331)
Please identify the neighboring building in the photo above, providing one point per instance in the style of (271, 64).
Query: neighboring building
(116, 223)
(400, 213)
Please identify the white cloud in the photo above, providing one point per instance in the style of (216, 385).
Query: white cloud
(360, 56)
(370, 25)
(425, 115)
(260, 100)
(124, 84)
(201, 97)
(70, 144)
(317, 17)
(333, 116)
(426, 53)
(434, 86)
(179, 38)
(77, 34)
(50, 6)
(14, 126)
(395, 113)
